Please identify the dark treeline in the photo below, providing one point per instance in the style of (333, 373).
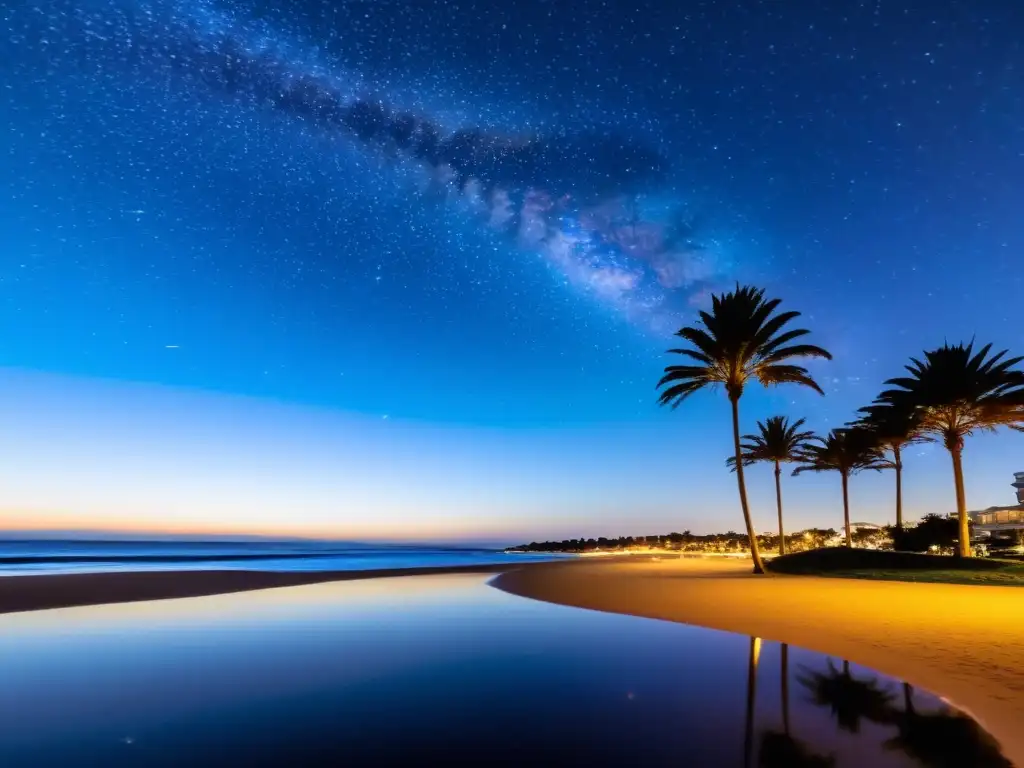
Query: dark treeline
(936, 534)
(730, 541)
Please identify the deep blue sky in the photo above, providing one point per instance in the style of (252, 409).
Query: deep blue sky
(314, 329)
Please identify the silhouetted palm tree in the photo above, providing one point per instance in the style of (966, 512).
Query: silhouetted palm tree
(956, 392)
(849, 698)
(846, 451)
(894, 427)
(740, 339)
(777, 441)
(942, 739)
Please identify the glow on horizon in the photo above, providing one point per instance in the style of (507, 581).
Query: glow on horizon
(103, 456)
(111, 456)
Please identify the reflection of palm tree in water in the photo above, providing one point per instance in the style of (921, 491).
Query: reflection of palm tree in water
(784, 671)
(780, 749)
(850, 699)
(942, 739)
(748, 733)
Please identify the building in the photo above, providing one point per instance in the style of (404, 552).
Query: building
(1002, 523)
(867, 527)
(999, 518)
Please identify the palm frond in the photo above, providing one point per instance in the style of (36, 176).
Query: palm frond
(769, 375)
(772, 326)
(676, 394)
(848, 451)
(955, 391)
(777, 440)
(700, 357)
(798, 350)
(783, 338)
(893, 424)
(742, 337)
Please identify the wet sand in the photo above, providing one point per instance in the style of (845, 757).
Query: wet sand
(964, 643)
(38, 592)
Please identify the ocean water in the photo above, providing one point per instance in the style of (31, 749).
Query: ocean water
(441, 670)
(78, 556)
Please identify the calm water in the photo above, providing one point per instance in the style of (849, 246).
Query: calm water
(75, 556)
(436, 670)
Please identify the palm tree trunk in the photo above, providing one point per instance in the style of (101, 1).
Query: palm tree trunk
(748, 732)
(897, 462)
(754, 553)
(785, 688)
(778, 502)
(961, 503)
(846, 508)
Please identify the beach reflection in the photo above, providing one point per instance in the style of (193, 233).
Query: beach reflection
(436, 669)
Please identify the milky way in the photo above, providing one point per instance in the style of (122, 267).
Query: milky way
(582, 199)
(491, 216)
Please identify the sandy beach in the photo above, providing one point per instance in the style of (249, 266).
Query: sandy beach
(964, 643)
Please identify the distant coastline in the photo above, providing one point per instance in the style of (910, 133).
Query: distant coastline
(23, 557)
(152, 558)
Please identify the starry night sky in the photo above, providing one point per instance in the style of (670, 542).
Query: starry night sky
(391, 269)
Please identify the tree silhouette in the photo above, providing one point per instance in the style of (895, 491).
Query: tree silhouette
(932, 531)
(740, 339)
(955, 392)
(894, 427)
(777, 441)
(850, 699)
(846, 451)
(942, 739)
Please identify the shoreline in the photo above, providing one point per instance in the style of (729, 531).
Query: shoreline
(962, 643)
(39, 592)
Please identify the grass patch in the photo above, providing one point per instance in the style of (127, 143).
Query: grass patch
(1012, 576)
(840, 562)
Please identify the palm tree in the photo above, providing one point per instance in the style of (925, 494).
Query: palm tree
(740, 339)
(894, 427)
(849, 698)
(777, 441)
(846, 451)
(956, 392)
